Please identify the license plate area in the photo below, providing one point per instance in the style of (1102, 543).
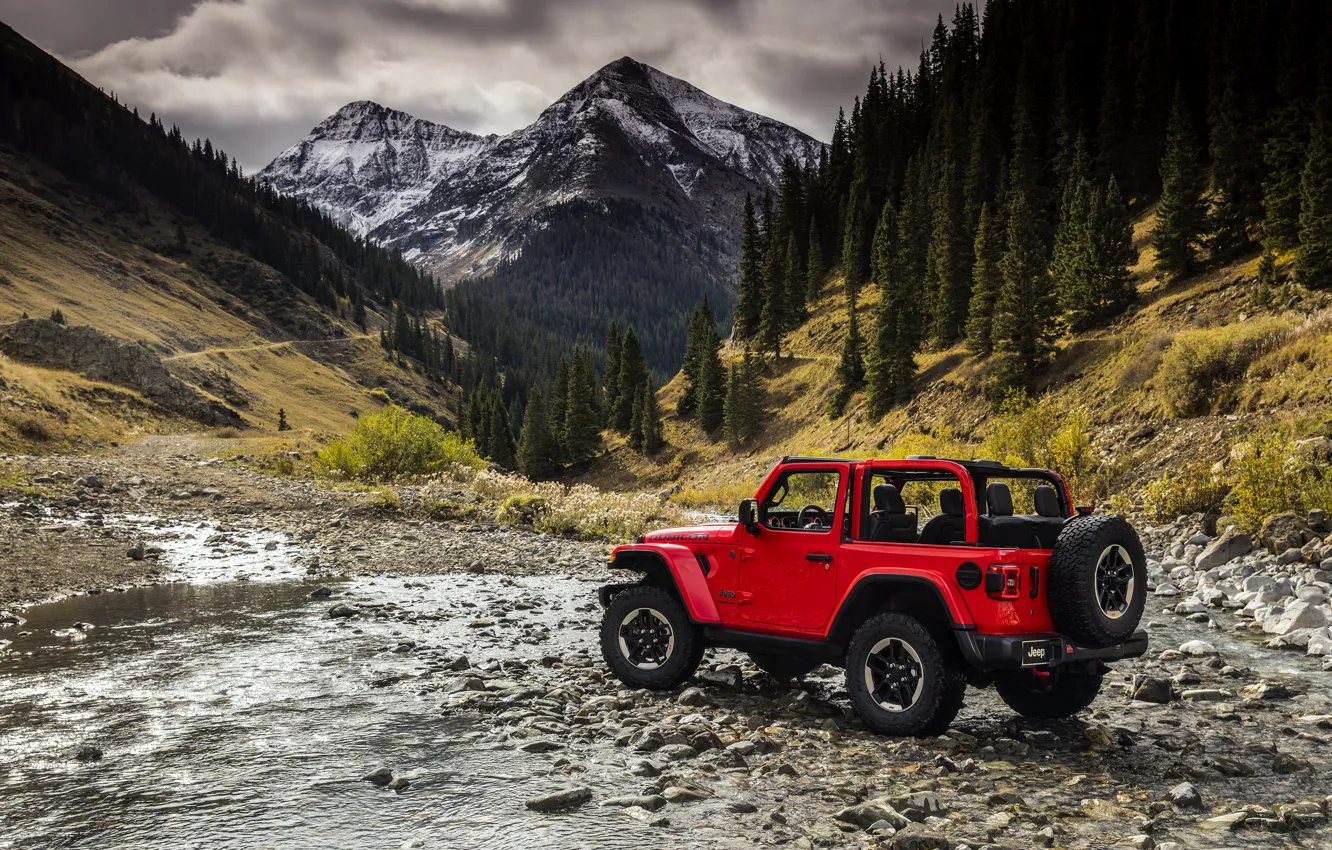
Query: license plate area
(1036, 653)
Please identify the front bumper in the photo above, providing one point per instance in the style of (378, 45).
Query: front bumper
(1014, 652)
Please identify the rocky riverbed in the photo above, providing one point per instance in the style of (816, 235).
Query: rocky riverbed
(1217, 738)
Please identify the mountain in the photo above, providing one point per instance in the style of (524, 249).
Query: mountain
(176, 289)
(457, 202)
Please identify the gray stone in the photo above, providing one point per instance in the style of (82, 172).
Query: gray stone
(1285, 763)
(556, 801)
(1297, 615)
(1197, 648)
(651, 802)
(380, 776)
(342, 612)
(692, 696)
(918, 837)
(866, 814)
(1229, 546)
(1186, 796)
(1152, 689)
(540, 746)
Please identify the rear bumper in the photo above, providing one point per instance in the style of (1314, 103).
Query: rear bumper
(1013, 652)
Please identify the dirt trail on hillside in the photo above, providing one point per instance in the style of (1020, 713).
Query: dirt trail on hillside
(267, 346)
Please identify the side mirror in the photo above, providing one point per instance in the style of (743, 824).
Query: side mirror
(749, 515)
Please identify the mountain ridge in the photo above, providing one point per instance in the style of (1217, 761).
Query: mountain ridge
(458, 202)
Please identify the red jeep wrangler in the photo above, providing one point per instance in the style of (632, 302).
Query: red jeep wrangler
(915, 575)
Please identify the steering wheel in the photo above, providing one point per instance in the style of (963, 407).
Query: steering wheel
(822, 516)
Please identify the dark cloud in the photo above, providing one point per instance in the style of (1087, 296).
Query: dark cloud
(255, 75)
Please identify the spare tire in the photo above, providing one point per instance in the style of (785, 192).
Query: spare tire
(1097, 580)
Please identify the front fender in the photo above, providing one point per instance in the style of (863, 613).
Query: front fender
(679, 562)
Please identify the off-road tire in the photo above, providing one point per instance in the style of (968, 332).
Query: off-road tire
(685, 654)
(1072, 588)
(943, 683)
(783, 668)
(1065, 695)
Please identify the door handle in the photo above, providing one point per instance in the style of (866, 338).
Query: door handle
(819, 557)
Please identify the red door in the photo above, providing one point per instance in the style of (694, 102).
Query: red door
(788, 571)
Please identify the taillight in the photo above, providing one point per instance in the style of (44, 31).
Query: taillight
(1003, 581)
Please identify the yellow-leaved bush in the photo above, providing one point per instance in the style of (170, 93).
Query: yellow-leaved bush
(391, 444)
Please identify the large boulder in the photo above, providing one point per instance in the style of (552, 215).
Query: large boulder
(1229, 546)
(1297, 615)
(1284, 531)
(1314, 448)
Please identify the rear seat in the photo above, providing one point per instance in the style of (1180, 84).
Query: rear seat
(1004, 531)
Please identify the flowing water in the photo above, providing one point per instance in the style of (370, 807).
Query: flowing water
(234, 714)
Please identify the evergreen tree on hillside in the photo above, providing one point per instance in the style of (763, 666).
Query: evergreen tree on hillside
(855, 251)
(850, 374)
(1181, 214)
(632, 374)
(650, 421)
(750, 304)
(1286, 148)
(947, 266)
(744, 414)
(1024, 318)
(704, 382)
(890, 368)
(582, 420)
(987, 280)
(499, 438)
(711, 391)
(614, 347)
(773, 320)
(815, 270)
(559, 406)
(537, 452)
(797, 284)
(1074, 262)
(1112, 227)
(699, 336)
(1313, 259)
(636, 422)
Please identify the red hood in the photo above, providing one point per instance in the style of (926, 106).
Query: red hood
(710, 533)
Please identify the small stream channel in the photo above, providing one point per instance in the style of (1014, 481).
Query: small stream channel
(234, 714)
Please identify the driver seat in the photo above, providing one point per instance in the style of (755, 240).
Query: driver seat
(889, 521)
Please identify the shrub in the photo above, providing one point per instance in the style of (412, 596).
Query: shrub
(1034, 433)
(1193, 490)
(33, 428)
(1201, 362)
(723, 497)
(391, 444)
(1269, 479)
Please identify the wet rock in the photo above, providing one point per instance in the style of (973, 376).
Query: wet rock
(540, 746)
(866, 814)
(555, 801)
(693, 697)
(646, 816)
(1197, 648)
(1227, 766)
(647, 741)
(1286, 763)
(1229, 546)
(1186, 796)
(137, 552)
(1203, 695)
(918, 837)
(1153, 689)
(1267, 690)
(683, 794)
(342, 612)
(380, 777)
(1234, 820)
(399, 784)
(321, 592)
(651, 802)
(89, 754)
(676, 752)
(728, 676)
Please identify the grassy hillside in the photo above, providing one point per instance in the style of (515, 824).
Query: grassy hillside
(219, 320)
(1195, 368)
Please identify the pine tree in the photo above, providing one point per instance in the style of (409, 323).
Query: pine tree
(582, 429)
(1313, 258)
(711, 389)
(701, 331)
(1024, 316)
(946, 269)
(816, 270)
(651, 421)
(1113, 226)
(282, 420)
(855, 253)
(57, 316)
(850, 374)
(796, 284)
(636, 422)
(749, 307)
(537, 452)
(773, 320)
(1181, 215)
(613, 348)
(500, 437)
(1074, 262)
(704, 388)
(632, 374)
(890, 369)
(559, 406)
(744, 401)
(987, 280)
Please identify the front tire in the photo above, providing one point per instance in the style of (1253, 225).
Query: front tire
(901, 681)
(648, 640)
(1058, 695)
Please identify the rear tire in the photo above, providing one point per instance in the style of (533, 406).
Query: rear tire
(783, 668)
(648, 639)
(1097, 581)
(901, 681)
(1064, 694)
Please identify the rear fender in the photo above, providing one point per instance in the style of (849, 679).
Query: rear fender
(674, 567)
(917, 595)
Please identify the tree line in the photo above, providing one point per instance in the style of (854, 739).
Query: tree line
(989, 192)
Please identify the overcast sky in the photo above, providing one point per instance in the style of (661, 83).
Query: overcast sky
(256, 75)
